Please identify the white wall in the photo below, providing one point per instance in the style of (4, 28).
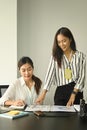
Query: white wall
(38, 21)
(8, 41)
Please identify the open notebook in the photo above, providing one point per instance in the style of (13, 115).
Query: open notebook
(17, 107)
(50, 108)
(12, 107)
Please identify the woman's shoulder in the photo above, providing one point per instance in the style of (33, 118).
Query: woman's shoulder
(18, 81)
(53, 59)
(80, 53)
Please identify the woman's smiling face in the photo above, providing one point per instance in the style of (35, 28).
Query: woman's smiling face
(26, 71)
(63, 42)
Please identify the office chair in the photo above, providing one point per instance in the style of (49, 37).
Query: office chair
(3, 87)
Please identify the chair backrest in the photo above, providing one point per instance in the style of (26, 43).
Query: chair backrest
(3, 89)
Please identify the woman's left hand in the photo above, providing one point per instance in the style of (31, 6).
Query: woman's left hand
(71, 100)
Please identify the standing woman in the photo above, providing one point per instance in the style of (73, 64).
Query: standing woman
(25, 89)
(67, 67)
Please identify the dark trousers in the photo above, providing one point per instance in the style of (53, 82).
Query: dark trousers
(63, 94)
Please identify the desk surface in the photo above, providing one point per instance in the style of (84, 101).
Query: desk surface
(32, 122)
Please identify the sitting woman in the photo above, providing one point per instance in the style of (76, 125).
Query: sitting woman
(25, 89)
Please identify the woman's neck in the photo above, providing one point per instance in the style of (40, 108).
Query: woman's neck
(69, 54)
(30, 83)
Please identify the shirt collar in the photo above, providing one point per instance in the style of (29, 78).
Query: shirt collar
(22, 81)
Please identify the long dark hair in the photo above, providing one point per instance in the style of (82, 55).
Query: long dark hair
(37, 81)
(57, 51)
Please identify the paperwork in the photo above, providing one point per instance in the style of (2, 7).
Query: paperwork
(38, 108)
(4, 109)
(50, 108)
(17, 107)
(63, 108)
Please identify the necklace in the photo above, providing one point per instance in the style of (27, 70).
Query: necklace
(68, 71)
(70, 57)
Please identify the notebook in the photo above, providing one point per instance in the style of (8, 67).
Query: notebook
(14, 114)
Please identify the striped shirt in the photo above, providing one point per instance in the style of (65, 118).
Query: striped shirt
(56, 74)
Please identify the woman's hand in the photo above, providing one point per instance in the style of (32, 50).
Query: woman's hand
(19, 103)
(71, 100)
(15, 103)
(40, 99)
(72, 97)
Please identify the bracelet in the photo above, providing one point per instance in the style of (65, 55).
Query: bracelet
(73, 92)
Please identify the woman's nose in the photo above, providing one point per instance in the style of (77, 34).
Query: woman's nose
(26, 72)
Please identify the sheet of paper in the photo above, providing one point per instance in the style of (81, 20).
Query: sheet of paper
(38, 108)
(62, 108)
(4, 109)
(17, 107)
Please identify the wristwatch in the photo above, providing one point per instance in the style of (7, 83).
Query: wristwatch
(73, 92)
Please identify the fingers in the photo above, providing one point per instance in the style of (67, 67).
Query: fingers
(70, 103)
(71, 100)
(38, 101)
(19, 103)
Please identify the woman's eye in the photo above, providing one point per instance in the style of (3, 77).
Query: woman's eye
(29, 70)
(64, 41)
(23, 70)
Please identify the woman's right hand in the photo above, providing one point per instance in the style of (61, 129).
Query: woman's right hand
(40, 99)
(19, 103)
(15, 103)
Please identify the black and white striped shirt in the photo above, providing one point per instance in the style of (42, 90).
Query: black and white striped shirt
(56, 74)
